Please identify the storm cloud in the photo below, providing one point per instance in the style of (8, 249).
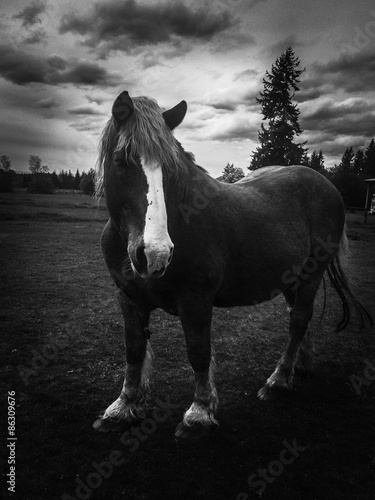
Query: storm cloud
(30, 15)
(23, 68)
(352, 119)
(36, 36)
(127, 25)
(351, 73)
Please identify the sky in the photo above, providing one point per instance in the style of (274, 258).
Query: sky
(63, 63)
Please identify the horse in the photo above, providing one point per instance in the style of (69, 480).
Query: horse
(180, 240)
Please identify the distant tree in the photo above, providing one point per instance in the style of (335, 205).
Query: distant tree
(5, 163)
(347, 160)
(41, 183)
(347, 181)
(63, 179)
(66, 180)
(54, 179)
(26, 180)
(351, 187)
(316, 161)
(369, 161)
(277, 146)
(232, 174)
(35, 165)
(87, 184)
(6, 184)
(358, 162)
(70, 180)
(77, 180)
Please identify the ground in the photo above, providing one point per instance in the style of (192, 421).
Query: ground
(62, 354)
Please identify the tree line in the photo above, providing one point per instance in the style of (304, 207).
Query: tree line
(278, 136)
(41, 180)
(348, 176)
(280, 129)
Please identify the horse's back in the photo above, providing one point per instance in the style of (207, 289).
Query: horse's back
(282, 213)
(278, 174)
(261, 172)
(295, 191)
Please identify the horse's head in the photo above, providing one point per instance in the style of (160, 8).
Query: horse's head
(137, 147)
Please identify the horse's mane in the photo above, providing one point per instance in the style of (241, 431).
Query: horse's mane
(145, 134)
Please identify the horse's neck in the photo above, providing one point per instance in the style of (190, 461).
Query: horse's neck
(190, 185)
(190, 192)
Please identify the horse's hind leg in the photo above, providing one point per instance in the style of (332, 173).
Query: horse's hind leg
(306, 352)
(300, 315)
(130, 406)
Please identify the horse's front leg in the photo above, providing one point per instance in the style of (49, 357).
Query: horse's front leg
(131, 405)
(195, 316)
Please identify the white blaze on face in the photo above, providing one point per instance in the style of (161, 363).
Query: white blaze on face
(158, 245)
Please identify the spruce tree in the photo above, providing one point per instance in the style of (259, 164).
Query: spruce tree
(347, 180)
(55, 179)
(347, 160)
(316, 161)
(358, 162)
(277, 146)
(77, 180)
(369, 161)
(70, 180)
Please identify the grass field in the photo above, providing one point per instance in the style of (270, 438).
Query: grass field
(62, 353)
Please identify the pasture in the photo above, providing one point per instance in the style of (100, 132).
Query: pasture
(63, 354)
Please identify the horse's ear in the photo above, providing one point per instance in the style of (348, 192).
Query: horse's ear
(122, 108)
(173, 117)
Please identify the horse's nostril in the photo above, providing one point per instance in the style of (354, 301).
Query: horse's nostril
(159, 271)
(170, 256)
(140, 255)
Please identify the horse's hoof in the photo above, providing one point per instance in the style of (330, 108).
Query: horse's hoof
(273, 392)
(109, 425)
(194, 431)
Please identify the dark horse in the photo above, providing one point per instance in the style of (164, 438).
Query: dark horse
(179, 240)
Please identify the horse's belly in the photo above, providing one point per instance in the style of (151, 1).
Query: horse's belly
(259, 280)
(245, 295)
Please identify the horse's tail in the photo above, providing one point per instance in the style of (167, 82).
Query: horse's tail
(343, 287)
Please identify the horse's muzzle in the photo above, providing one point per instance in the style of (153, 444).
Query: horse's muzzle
(152, 262)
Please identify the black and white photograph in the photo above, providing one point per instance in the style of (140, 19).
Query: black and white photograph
(187, 249)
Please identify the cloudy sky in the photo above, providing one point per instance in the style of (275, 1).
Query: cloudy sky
(63, 62)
